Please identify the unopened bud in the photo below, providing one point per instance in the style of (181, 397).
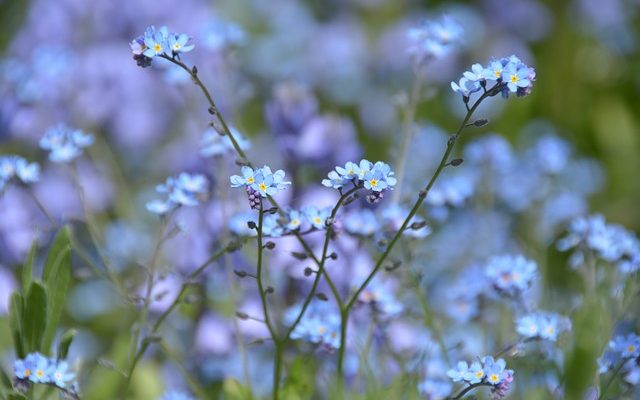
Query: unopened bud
(298, 255)
(456, 162)
(333, 256)
(418, 225)
(252, 225)
(270, 245)
(242, 315)
(322, 296)
(308, 271)
(241, 274)
(212, 110)
(194, 70)
(481, 122)
(269, 290)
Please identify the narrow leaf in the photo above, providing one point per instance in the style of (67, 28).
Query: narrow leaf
(57, 285)
(60, 243)
(16, 396)
(65, 343)
(16, 312)
(27, 269)
(5, 381)
(35, 317)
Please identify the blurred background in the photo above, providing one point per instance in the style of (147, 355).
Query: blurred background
(311, 84)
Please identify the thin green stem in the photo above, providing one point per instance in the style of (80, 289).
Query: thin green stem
(409, 117)
(467, 390)
(423, 194)
(261, 288)
(196, 79)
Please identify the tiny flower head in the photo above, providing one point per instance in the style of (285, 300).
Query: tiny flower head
(458, 374)
(178, 43)
(60, 374)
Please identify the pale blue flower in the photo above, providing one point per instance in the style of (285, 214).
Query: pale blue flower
(542, 325)
(626, 346)
(465, 87)
(458, 374)
(65, 144)
(317, 217)
(60, 375)
(178, 43)
(156, 42)
(511, 274)
(475, 374)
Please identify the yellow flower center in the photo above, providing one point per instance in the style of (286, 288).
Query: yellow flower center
(373, 182)
(262, 186)
(494, 378)
(497, 73)
(157, 47)
(295, 222)
(322, 330)
(27, 373)
(514, 78)
(317, 220)
(176, 46)
(39, 373)
(479, 374)
(351, 172)
(550, 330)
(631, 348)
(250, 180)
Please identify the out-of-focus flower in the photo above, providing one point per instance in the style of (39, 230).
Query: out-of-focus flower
(184, 190)
(434, 39)
(16, 168)
(176, 395)
(215, 144)
(511, 274)
(317, 217)
(65, 144)
(626, 346)
(542, 325)
(319, 325)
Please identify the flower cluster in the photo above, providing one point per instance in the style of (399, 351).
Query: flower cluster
(610, 242)
(626, 346)
(376, 177)
(542, 325)
(184, 190)
(64, 143)
(259, 183)
(510, 274)
(489, 371)
(434, 39)
(17, 168)
(320, 325)
(509, 73)
(37, 368)
(621, 350)
(158, 42)
(381, 299)
(216, 144)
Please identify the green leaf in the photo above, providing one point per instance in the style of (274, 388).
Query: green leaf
(234, 390)
(16, 396)
(16, 312)
(35, 317)
(27, 269)
(56, 275)
(5, 381)
(61, 242)
(65, 343)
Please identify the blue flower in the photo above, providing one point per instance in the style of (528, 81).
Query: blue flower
(516, 77)
(271, 225)
(361, 222)
(381, 298)
(214, 144)
(476, 74)
(60, 375)
(42, 369)
(434, 39)
(317, 217)
(475, 374)
(65, 144)
(262, 180)
(23, 369)
(460, 372)
(319, 325)
(335, 181)
(511, 274)
(493, 72)
(17, 168)
(465, 87)
(156, 42)
(626, 346)
(178, 43)
(495, 371)
(542, 325)
(184, 190)
(295, 219)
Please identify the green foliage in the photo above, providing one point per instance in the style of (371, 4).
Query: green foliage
(16, 316)
(65, 343)
(35, 317)
(234, 390)
(35, 313)
(301, 379)
(56, 276)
